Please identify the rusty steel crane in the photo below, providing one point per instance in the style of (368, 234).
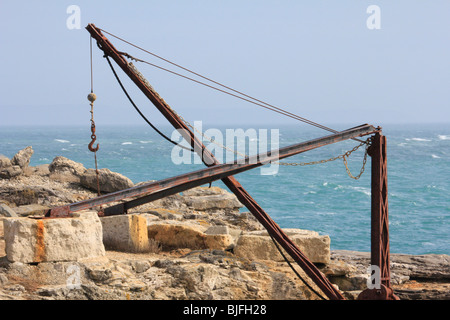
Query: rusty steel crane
(151, 191)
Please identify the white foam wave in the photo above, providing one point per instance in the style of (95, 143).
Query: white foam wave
(435, 156)
(444, 137)
(149, 141)
(62, 140)
(418, 139)
(125, 143)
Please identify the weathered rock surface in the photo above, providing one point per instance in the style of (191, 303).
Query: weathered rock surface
(200, 247)
(22, 158)
(125, 233)
(258, 245)
(7, 169)
(45, 240)
(109, 181)
(6, 211)
(417, 277)
(188, 235)
(65, 169)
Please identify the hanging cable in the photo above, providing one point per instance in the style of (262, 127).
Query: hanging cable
(139, 111)
(92, 97)
(250, 98)
(295, 271)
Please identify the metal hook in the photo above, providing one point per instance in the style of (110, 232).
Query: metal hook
(93, 137)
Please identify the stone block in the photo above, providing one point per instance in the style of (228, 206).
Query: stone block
(49, 240)
(125, 233)
(259, 246)
(177, 235)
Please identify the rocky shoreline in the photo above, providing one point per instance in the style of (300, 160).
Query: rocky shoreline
(202, 248)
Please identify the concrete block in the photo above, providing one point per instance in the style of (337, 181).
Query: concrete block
(49, 240)
(125, 233)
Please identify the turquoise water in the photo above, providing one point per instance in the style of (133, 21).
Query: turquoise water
(319, 197)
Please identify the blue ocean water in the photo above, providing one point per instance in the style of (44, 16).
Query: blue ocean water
(319, 197)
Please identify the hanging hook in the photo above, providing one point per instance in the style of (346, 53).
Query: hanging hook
(93, 137)
(92, 97)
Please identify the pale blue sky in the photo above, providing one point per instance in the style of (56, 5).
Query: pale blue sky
(317, 59)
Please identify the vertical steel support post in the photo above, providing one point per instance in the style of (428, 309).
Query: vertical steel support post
(381, 289)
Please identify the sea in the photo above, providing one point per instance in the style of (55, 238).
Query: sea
(320, 197)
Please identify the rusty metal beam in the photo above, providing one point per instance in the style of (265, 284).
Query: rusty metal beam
(156, 190)
(380, 256)
(283, 153)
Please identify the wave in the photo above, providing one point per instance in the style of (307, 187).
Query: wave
(435, 156)
(148, 141)
(125, 143)
(62, 140)
(444, 137)
(418, 139)
(366, 191)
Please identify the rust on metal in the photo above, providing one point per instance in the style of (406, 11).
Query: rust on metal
(379, 222)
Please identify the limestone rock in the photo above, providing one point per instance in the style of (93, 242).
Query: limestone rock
(125, 233)
(259, 246)
(109, 181)
(65, 169)
(4, 162)
(31, 210)
(205, 199)
(10, 172)
(38, 240)
(22, 158)
(6, 211)
(182, 235)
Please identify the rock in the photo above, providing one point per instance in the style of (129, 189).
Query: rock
(259, 246)
(22, 158)
(4, 162)
(192, 236)
(31, 210)
(63, 169)
(125, 233)
(206, 199)
(428, 266)
(351, 282)
(99, 274)
(42, 170)
(6, 211)
(109, 181)
(38, 240)
(166, 214)
(10, 172)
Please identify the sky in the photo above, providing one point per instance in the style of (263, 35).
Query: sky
(327, 61)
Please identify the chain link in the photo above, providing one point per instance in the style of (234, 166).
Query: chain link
(344, 157)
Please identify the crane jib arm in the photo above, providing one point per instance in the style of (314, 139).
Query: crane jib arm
(208, 158)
